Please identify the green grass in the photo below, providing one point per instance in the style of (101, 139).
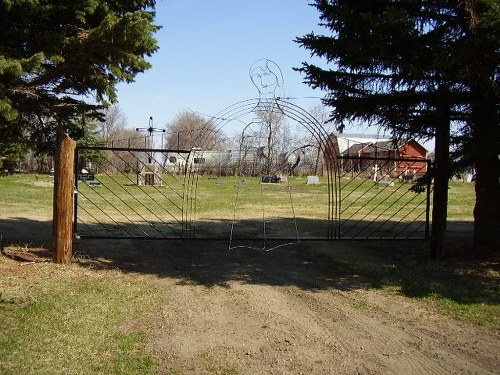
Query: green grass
(468, 291)
(69, 320)
(24, 194)
(219, 200)
(461, 200)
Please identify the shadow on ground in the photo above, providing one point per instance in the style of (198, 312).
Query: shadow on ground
(344, 265)
(26, 232)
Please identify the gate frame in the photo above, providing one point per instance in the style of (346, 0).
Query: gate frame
(190, 186)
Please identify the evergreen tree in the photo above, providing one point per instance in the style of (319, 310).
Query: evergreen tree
(60, 62)
(419, 68)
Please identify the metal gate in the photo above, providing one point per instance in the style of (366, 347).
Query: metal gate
(378, 198)
(163, 194)
(127, 193)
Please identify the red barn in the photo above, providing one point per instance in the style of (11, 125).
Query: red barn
(411, 150)
(365, 147)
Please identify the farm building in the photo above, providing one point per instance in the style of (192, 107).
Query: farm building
(367, 147)
(411, 150)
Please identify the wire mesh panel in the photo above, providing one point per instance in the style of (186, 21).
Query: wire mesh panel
(130, 193)
(379, 200)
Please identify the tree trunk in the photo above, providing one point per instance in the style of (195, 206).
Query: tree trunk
(482, 69)
(269, 148)
(441, 176)
(486, 149)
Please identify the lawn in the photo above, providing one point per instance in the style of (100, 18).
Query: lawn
(70, 320)
(26, 194)
(216, 197)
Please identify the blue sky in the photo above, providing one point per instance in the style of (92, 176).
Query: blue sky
(206, 51)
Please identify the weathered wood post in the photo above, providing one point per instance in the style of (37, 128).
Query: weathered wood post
(63, 199)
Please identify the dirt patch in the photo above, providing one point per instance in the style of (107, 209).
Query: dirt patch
(291, 312)
(284, 330)
(28, 254)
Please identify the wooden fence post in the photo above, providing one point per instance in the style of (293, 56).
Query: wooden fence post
(63, 199)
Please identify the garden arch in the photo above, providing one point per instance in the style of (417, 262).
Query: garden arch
(145, 192)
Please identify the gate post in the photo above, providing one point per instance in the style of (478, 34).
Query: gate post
(63, 199)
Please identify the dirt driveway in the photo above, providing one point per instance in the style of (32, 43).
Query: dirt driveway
(290, 311)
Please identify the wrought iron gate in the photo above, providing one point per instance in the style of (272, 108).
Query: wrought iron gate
(379, 201)
(154, 194)
(128, 193)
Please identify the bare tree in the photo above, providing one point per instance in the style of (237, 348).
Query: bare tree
(321, 114)
(271, 122)
(189, 130)
(125, 161)
(115, 121)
